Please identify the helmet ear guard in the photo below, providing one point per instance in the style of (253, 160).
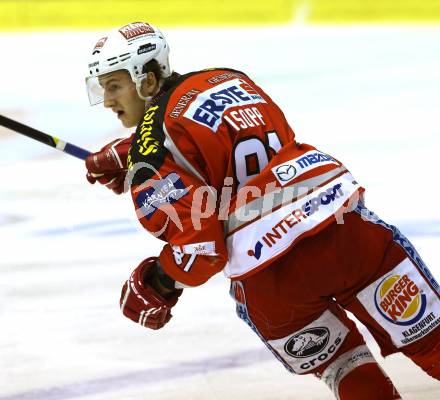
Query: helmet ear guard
(127, 48)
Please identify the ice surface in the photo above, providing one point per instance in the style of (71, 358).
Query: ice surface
(369, 96)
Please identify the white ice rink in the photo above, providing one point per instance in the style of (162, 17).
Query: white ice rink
(369, 96)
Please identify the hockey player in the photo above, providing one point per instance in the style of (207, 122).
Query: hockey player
(215, 171)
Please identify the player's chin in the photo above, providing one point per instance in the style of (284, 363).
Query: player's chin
(126, 121)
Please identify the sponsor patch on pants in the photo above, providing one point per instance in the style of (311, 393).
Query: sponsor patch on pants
(403, 304)
(313, 345)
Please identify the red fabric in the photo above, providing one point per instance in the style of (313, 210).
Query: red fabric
(175, 223)
(367, 382)
(109, 165)
(328, 270)
(427, 354)
(212, 156)
(210, 152)
(171, 139)
(141, 303)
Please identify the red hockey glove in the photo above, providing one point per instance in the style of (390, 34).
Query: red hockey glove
(141, 302)
(109, 165)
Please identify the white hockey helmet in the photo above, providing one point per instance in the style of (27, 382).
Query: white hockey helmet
(127, 48)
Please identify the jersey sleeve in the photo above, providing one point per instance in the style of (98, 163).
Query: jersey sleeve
(177, 207)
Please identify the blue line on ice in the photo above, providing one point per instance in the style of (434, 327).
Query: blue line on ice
(142, 378)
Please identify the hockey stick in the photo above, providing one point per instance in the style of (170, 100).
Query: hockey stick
(42, 137)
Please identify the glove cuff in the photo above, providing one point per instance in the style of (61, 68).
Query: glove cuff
(150, 275)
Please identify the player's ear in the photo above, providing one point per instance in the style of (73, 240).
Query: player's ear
(150, 85)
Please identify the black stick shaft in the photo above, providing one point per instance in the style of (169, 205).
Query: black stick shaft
(43, 137)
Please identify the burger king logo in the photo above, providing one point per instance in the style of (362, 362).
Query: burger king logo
(399, 300)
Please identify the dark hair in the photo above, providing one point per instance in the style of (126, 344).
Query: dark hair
(154, 67)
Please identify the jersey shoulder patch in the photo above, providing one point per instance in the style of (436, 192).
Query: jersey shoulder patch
(203, 96)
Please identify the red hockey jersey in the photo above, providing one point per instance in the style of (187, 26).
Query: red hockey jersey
(204, 139)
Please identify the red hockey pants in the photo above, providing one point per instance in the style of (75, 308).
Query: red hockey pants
(365, 266)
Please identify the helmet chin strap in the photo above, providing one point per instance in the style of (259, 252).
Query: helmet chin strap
(139, 91)
(147, 99)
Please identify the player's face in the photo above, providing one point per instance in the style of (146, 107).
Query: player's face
(121, 96)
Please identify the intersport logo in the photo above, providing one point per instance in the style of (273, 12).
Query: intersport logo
(307, 209)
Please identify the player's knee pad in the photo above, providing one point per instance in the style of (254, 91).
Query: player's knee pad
(355, 375)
